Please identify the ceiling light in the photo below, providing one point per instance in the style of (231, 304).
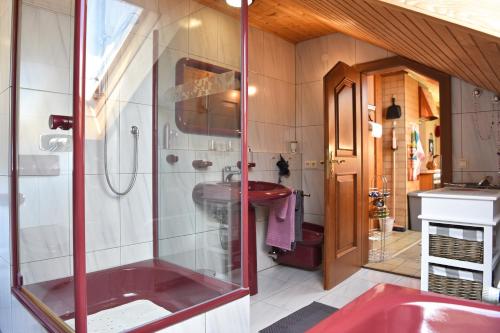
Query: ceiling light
(237, 3)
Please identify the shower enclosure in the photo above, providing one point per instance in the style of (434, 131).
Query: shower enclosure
(123, 107)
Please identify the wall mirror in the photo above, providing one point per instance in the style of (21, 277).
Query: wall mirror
(207, 99)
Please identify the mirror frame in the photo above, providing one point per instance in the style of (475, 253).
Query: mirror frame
(179, 112)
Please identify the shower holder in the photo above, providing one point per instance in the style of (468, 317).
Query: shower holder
(201, 164)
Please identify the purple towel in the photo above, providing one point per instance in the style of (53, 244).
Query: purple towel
(281, 227)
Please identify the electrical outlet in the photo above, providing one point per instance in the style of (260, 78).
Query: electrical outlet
(310, 164)
(463, 163)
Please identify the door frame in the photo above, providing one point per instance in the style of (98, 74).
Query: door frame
(384, 65)
(344, 258)
(444, 80)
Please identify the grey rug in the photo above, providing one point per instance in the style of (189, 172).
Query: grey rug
(301, 320)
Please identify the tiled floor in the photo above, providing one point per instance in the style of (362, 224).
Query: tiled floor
(283, 290)
(403, 253)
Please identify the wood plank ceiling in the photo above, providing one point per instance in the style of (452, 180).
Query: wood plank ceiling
(457, 50)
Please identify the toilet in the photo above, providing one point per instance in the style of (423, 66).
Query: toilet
(308, 252)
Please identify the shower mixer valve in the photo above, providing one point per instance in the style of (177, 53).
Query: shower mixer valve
(58, 121)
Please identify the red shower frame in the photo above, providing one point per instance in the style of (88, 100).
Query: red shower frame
(44, 318)
(156, 246)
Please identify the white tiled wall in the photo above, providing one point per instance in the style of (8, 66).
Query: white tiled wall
(5, 297)
(45, 54)
(476, 133)
(272, 107)
(189, 235)
(5, 42)
(214, 38)
(314, 58)
(272, 120)
(228, 318)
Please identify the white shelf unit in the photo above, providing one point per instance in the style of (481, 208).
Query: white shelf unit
(468, 208)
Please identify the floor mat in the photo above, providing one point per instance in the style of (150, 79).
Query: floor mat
(123, 317)
(301, 320)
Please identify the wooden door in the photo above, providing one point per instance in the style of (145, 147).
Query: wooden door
(343, 174)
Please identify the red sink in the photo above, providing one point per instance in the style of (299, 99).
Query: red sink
(219, 192)
(260, 193)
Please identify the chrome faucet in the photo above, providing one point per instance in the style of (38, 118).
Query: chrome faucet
(228, 172)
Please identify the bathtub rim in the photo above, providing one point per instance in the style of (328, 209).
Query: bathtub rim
(155, 268)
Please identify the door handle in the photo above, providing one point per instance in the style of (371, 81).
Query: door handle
(331, 163)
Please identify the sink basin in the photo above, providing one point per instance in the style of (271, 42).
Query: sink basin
(219, 192)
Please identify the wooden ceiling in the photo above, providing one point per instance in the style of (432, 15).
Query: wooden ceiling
(457, 50)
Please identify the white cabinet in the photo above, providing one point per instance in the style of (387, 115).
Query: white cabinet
(467, 214)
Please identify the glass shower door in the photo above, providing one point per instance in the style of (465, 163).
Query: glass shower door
(148, 147)
(199, 117)
(161, 170)
(45, 155)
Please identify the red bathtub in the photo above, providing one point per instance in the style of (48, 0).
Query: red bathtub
(387, 308)
(167, 285)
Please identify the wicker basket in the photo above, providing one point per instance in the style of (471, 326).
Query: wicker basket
(455, 248)
(455, 287)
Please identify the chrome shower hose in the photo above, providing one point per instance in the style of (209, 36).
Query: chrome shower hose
(135, 132)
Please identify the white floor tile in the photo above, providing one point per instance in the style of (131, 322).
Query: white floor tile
(278, 278)
(268, 286)
(263, 315)
(353, 287)
(335, 300)
(297, 296)
(287, 274)
(376, 276)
